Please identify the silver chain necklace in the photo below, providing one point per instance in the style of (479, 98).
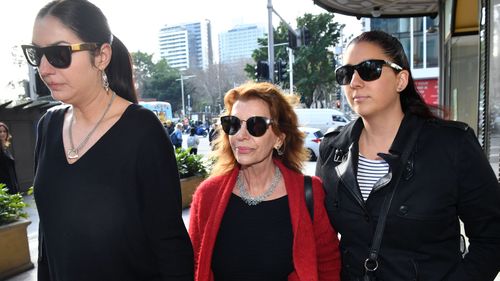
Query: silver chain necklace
(73, 151)
(250, 200)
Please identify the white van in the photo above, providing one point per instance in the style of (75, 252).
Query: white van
(326, 119)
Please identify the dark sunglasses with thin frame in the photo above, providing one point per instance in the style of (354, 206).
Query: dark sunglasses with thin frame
(368, 70)
(256, 125)
(58, 56)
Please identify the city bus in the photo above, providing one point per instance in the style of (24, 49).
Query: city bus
(162, 109)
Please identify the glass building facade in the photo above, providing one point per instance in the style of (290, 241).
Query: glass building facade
(239, 43)
(420, 39)
(187, 45)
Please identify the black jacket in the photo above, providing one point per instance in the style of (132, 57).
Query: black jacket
(446, 178)
(8, 174)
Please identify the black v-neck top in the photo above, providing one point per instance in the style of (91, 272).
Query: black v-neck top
(254, 243)
(115, 214)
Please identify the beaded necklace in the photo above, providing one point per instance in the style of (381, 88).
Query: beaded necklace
(254, 200)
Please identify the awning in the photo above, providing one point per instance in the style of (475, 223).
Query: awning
(381, 8)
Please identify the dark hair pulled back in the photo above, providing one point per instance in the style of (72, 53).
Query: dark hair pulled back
(89, 24)
(410, 98)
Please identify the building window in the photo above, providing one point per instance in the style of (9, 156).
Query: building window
(432, 41)
(418, 43)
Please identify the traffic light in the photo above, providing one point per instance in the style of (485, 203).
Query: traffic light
(281, 70)
(262, 70)
(292, 40)
(305, 36)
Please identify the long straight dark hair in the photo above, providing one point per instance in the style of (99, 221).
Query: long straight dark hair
(89, 23)
(410, 98)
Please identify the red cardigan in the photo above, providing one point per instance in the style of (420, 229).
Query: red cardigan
(316, 254)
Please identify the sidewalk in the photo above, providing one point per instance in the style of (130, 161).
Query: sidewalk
(30, 275)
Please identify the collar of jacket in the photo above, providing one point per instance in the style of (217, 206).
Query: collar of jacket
(347, 169)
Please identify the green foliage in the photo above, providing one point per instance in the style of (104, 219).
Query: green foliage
(158, 80)
(190, 164)
(313, 69)
(11, 206)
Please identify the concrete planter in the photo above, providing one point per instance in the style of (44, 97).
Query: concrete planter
(188, 187)
(14, 253)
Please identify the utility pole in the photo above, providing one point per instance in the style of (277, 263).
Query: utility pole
(291, 59)
(270, 40)
(270, 44)
(182, 91)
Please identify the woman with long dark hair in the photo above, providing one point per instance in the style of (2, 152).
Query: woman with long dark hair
(106, 186)
(398, 180)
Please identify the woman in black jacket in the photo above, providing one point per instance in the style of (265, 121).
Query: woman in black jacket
(429, 173)
(7, 163)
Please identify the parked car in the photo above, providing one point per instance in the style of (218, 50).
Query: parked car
(313, 137)
(323, 118)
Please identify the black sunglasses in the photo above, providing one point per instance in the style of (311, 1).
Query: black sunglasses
(256, 126)
(368, 70)
(58, 56)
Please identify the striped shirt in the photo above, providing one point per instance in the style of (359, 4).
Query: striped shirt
(369, 172)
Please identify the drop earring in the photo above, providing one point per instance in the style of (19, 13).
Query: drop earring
(280, 150)
(105, 82)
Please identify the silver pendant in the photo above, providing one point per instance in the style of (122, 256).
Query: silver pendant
(72, 153)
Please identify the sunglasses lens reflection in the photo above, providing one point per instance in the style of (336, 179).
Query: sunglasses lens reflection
(58, 56)
(257, 126)
(344, 74)
(230, 124)
(31, 55)
(370, 70)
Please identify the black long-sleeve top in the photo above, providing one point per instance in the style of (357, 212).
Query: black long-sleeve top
(115, 214)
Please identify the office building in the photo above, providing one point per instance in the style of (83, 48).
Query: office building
(187, 45)
(239, 43)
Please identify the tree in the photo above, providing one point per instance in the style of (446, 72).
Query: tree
(158, 80)
(212, 83)
(143, 67)
(314, 75)
(313, 68)
(207, 87)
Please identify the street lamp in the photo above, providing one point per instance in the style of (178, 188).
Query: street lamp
(182, 90)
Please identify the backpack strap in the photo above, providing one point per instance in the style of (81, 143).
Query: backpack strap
(309, 196)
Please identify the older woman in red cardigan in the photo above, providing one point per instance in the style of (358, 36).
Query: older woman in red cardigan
(249, 220)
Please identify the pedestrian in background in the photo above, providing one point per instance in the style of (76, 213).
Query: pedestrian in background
(176, 136)
(213, 134)
(106, 185)
(398, 180)
(193, 141)
(249, 219)
(169, 126)
(8, 174)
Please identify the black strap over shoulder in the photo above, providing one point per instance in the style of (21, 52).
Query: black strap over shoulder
(371, 263)
(309, 196)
